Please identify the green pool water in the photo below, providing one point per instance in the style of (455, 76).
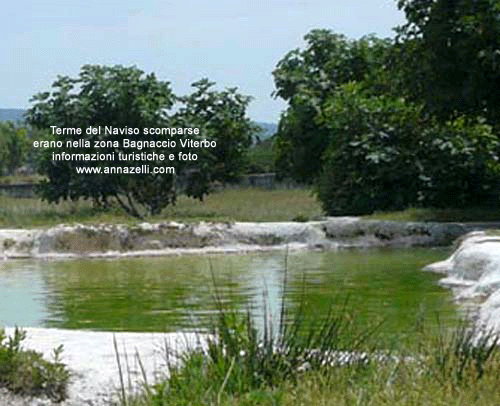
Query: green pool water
(176, 293)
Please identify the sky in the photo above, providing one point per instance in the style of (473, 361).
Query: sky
(235, 43)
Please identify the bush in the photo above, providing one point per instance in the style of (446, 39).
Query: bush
(386, 155)
(13, 147)
(27, 372)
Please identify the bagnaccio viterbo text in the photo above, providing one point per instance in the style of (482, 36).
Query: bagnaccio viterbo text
(126, 143)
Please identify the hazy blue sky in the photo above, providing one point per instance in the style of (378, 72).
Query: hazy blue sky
(232, 42)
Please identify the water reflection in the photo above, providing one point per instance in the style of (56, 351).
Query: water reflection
(177, 293)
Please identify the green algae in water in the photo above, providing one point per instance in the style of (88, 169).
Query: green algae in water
(177, 293)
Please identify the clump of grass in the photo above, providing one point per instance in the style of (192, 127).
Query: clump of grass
(26, 372)
(472, 214)
(241, 361)
(328, 361)
(459, 366)
(301, 218)
(461, 355)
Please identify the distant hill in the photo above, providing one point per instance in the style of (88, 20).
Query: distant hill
(269, 129)
(12, 114)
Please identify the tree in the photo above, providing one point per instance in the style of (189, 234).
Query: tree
(13, 147)
(386, 155)
(306, 78)
(125, 99)
(450, 56)
(119, 97)
(221, 117)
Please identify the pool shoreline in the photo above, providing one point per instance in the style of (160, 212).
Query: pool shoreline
(65, 242)
(173, 238)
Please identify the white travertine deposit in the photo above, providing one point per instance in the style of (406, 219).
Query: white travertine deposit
(473, 272)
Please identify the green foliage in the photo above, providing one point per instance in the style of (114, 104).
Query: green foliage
(27, 372)
(386, 125)
(305, 79)
(13, 147)
(221, 116)
(300, 144)
(370, 163)
(385, 155)
(104, 96)
(461, 167)
(328, 61)
(125, 98)
(450, 55)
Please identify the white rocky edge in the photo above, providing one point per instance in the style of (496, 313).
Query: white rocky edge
(473, 272)
(91, 355)
(92, 361)
(167, 238)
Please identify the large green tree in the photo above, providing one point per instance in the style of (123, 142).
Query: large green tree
(450, 56)
(385, 154)
(125, 98)
(378, 125)
(305, 79)
(121, 97)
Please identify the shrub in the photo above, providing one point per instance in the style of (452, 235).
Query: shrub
(27, 372)
(385, 154)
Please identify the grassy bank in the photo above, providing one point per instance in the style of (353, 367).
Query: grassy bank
(244, 368)
(240, 204)
(327, 360)
(250, 204)
(473, 214)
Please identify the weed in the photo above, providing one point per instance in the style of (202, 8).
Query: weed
(461, 354)
(27, 372)
(241, 361)
(301, 218)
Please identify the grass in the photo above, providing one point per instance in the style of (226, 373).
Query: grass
(244, 368)
(473, 214)
(26, 372)
(250, 204)
(239, 204)
(11, 179)
(240, 361)
(331, 361)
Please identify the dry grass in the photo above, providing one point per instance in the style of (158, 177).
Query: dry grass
(472, 214)
(251, 204)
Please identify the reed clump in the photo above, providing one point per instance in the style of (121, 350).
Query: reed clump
(328, 361)
(26, 371)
